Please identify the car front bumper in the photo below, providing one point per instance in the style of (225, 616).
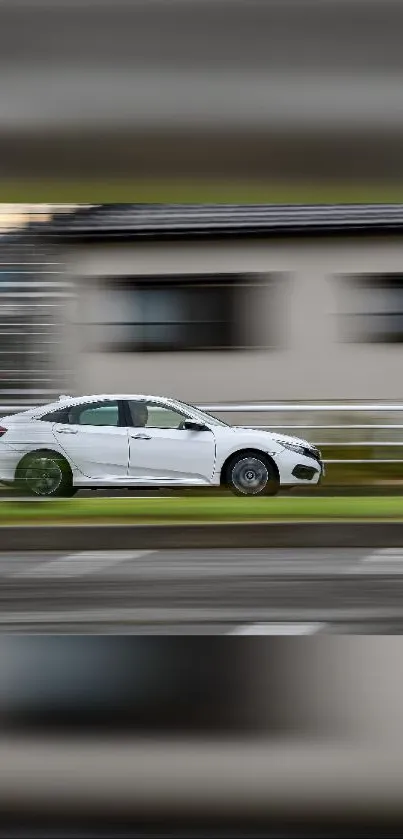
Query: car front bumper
(299, 470)
(302, 472)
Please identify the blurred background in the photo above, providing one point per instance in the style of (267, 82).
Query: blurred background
(123, 124)
(201, 100)
(266, 737)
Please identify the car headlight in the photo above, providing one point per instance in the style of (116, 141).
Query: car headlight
(294, 447)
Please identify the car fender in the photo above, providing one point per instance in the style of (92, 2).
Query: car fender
(241, 440)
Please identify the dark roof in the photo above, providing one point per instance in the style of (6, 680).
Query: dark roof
(139, 221)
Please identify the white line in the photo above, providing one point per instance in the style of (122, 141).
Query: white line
(176, 569)
(384, 562)
(385, 555)
(139, 565)
(278, 629)
(80, 564)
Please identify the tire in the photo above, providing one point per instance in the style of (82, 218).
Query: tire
(251, 473)
(45, 475)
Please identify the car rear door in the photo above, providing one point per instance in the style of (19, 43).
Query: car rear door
(95, 439)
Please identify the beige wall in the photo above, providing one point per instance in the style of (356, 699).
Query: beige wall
(309, 363)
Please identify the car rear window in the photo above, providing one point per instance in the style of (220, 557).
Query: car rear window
(62, 415)
(93, 413)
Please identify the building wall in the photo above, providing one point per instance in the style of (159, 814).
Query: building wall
(309, 360)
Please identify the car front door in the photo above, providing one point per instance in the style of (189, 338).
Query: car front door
(95, 438)
(161, 450)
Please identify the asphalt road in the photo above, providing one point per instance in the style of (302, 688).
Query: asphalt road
(207, 591)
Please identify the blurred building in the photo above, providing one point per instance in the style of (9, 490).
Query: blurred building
(34, 297)
(228, 303)
(208, 303)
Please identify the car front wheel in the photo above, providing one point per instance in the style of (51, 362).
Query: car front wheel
(45, 476)
(251, 474)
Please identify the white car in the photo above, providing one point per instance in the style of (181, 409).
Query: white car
(145, 441)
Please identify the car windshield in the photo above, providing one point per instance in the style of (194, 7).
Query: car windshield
(203, 416)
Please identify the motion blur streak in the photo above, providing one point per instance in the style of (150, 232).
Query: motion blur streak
(308, 725)
(308, 89)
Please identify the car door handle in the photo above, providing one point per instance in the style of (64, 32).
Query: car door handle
(140, 437)
(66, 430)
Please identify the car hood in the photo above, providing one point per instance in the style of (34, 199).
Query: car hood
(278, 438)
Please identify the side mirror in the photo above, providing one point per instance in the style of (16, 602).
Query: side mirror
(189, 425)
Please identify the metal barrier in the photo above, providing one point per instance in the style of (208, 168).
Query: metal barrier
(347, 429)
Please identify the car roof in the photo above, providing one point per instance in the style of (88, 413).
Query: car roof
(65, 400)
(95, 397)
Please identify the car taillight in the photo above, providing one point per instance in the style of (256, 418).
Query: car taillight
(3, 431)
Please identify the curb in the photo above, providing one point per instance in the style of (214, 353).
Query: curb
(321, 534)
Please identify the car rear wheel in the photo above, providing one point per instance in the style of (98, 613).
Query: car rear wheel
(251, 474)
(45, 475)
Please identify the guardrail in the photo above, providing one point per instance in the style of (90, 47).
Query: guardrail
(374, 429)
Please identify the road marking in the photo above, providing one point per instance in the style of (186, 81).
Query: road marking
(385, 555)
(278, 629)
(80, 564)
(383, 562)
(138, 565)
(156, 617)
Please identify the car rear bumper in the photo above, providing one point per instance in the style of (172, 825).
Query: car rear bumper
(9, 460)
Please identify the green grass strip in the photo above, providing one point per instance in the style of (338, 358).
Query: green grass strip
(197, 191)
(200, 509)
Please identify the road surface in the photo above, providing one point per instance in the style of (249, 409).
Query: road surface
(203, 592)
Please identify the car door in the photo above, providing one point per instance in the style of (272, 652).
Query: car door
(160, 450)
(95, 438)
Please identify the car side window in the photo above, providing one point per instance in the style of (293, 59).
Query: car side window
(62, 416)
(94, 414)
(153, 415)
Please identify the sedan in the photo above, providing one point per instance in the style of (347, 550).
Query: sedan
(133, 441)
